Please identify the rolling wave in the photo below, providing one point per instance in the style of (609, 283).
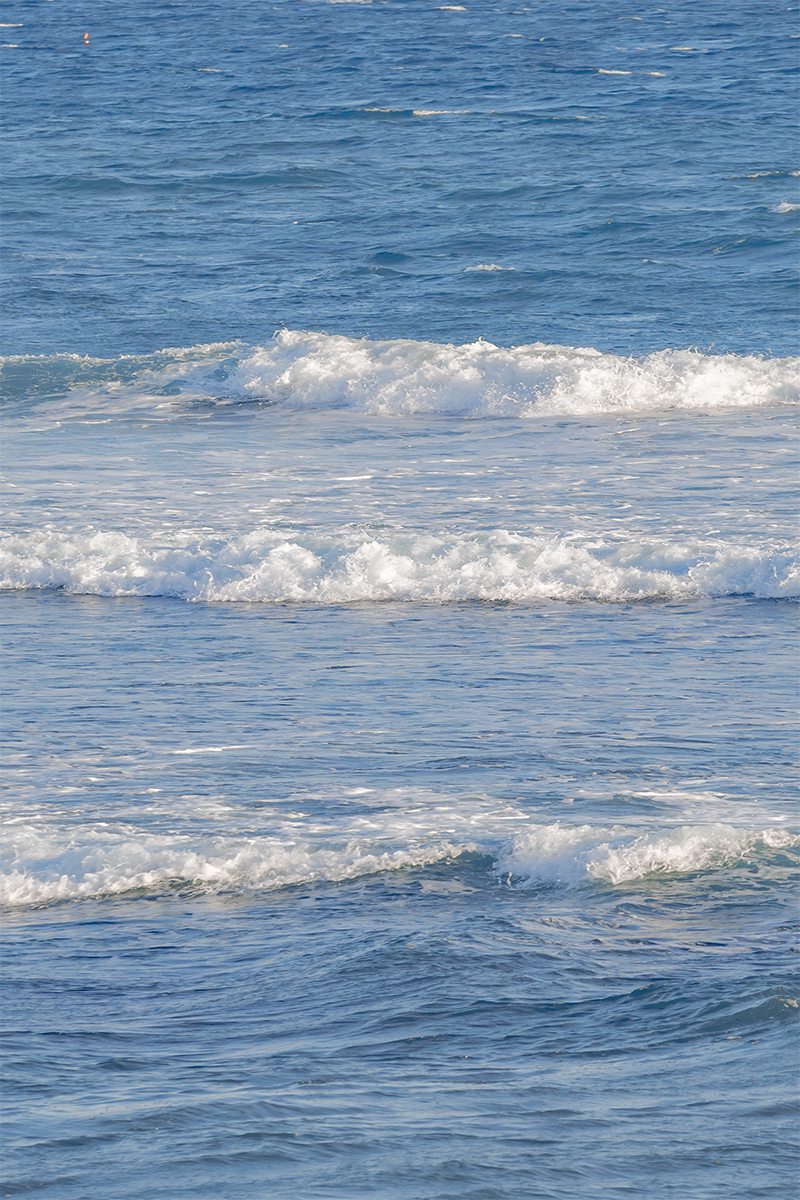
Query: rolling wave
(46, 864)
(302, 370)
(484, 380)
(267, 567)
(575, 854)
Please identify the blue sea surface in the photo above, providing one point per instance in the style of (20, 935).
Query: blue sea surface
(399, 582)
(206, 171)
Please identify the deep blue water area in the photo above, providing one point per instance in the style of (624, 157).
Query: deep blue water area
(200, 172)
(415, 1038)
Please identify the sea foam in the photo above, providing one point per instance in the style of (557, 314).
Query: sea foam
(48, 867)
(480, 379)
(574, 854)
(299, 369)
(44, 864)
(354, 565)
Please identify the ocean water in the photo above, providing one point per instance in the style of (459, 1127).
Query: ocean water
(399, 583)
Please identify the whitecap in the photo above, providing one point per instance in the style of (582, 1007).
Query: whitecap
(347, 566)
(300, 369)
(569, 854)
(488, 267)
(481, 379)
(46, 862)
(53, 865)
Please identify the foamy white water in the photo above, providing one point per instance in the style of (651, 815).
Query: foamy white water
(43, 863)
(89, 863)
(264, 566)
(480, 379)
(577, 854)
(343, 482)
(298, 369)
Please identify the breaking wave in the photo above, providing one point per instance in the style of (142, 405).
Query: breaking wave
(577, 854)
(299, 369)
(266, 566)
(45, 865)
(481, 379)
(102, 865)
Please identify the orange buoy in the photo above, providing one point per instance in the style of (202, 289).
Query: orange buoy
(86, 37)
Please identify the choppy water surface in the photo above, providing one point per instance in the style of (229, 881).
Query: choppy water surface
(401, 900)
(621, 176)
(399, 579)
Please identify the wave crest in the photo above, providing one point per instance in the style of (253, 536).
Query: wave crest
(578, 854)
(107, 865)
(265, 566)
(480, 379)
(46, 865)
(300, 369)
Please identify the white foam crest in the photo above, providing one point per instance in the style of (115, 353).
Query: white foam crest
(352, 565)
(44, 865)
(578, 854)
(297, 369)
(488, 267)
(480, 379)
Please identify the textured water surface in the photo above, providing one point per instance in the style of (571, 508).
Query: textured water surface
(575, 173)
(399, 580)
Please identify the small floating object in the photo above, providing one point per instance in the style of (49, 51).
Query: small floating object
(86, 37)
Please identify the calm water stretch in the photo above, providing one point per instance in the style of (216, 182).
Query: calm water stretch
(399, 593)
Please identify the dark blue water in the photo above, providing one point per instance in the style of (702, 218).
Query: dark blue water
(461, 1028)
(201, 172)
(399, 593)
